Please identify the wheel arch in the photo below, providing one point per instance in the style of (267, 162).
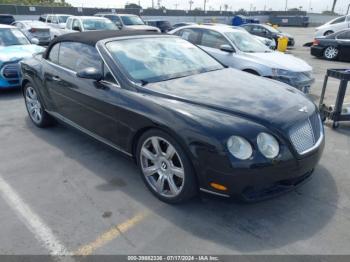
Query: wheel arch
(136, 138)
(251, 71)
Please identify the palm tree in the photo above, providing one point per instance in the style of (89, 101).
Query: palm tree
(333, 6)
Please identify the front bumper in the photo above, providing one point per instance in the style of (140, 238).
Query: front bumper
(259, 182)
(303, 82)
(6, 84)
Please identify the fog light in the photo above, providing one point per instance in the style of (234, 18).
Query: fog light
(218, 186)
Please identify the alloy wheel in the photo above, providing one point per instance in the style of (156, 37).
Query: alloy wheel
(331, 52)
(162, 167)
(33, 105)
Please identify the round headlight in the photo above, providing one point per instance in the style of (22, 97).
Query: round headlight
(239, 147)
(268, 145)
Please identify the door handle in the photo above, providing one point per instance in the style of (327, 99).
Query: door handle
(56, 78)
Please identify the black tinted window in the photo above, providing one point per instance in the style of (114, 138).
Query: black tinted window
(345, 35)
(191, 35)
(77, 56)
(53, 56)
(339, 20)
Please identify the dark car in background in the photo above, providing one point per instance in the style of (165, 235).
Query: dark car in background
(163, 25)
(174, 26)
(268, 32)
(6, 19)
(333, 47)
(175, 110)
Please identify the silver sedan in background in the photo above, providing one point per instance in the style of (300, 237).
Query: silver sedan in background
(240, 50)
(34, 29)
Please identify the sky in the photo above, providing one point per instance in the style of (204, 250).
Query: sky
(307, 5)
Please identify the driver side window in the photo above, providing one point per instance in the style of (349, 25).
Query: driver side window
(213, 39)
(76, 25)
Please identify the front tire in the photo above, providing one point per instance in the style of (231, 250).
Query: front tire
(165, 167)
(35, 108)
(331, 53)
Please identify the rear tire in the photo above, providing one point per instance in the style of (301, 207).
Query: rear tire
(331, 53)
(165, 167)
(35, 108)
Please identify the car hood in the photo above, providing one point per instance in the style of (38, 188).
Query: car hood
(242, 94)
(18, 52)
(279, 60)
(142, 27)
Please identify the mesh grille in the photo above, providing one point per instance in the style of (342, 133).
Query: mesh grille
(11, 70)
(305, 135)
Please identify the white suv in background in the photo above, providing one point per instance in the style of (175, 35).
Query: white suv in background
(56, 20)
(333, 26)
(89, 23)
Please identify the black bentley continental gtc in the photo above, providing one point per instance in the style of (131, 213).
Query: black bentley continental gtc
(190, 123)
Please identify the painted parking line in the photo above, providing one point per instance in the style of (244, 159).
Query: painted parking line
(110, 235)
(32, 221)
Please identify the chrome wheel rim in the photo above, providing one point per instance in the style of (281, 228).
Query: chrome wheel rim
(162, 167)
(331, 52)
(33, 105)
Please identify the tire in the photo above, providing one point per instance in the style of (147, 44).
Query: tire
(331, 53)
(35, 108)
(157, 170)
(329, 32)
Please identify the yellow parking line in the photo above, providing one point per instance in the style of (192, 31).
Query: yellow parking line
(109, 235)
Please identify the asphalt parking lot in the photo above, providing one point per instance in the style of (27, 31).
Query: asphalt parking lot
(64, 193)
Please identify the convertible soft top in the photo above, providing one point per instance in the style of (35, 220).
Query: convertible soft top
(92, 37)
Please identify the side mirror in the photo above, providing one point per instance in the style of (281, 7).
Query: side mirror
(76, 28)
(34, 41)
(90, 73)
(119, 25)
(227, 48)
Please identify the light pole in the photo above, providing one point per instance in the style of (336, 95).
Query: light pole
(191, 3)
(205, 4)
(286, 8)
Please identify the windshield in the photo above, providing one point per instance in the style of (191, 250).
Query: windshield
(272, 29)
(11, 36)
(98, 24)
(63, 18)
(246, 43)
(161, 58)
(132, 20)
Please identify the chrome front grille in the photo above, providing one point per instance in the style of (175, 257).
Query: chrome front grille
(305, 136)
(10, 71)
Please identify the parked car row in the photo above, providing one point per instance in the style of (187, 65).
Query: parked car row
(232, 46)
(190, 122)
(238, 49)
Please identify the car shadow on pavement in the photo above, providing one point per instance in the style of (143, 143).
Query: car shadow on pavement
(258, 227)
(10, 94)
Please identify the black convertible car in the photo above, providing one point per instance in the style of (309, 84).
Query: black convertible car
(333, 47)
(189, 122)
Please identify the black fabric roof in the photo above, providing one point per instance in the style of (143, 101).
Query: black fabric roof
(92, 37)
